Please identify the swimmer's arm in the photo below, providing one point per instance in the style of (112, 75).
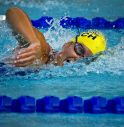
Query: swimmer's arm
(20, 23)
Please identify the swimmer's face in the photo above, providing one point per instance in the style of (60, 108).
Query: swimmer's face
(72, 52)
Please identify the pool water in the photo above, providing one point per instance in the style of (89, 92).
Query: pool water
(104, 77)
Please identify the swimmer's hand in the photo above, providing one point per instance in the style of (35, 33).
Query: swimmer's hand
(26, 56)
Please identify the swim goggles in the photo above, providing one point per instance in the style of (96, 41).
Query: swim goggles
(78, 48)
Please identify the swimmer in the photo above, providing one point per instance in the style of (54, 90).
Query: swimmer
(33, 46)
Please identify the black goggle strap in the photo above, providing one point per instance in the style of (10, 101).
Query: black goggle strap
(76, 39)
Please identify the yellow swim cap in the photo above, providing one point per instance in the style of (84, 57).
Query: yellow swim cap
(93, 40)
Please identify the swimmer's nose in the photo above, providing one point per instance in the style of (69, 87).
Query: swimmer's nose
(70, 52)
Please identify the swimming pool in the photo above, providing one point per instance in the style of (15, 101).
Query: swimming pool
(104, 77)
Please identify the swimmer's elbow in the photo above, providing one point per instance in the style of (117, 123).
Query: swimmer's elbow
(12, 10)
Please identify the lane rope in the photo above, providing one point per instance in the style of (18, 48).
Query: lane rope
(78, 22)
(70, 104)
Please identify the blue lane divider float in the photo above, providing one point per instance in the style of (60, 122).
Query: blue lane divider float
(43, 22)
(80, 22)
(71, 104)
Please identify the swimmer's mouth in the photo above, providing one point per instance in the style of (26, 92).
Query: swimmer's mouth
(70, 59)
